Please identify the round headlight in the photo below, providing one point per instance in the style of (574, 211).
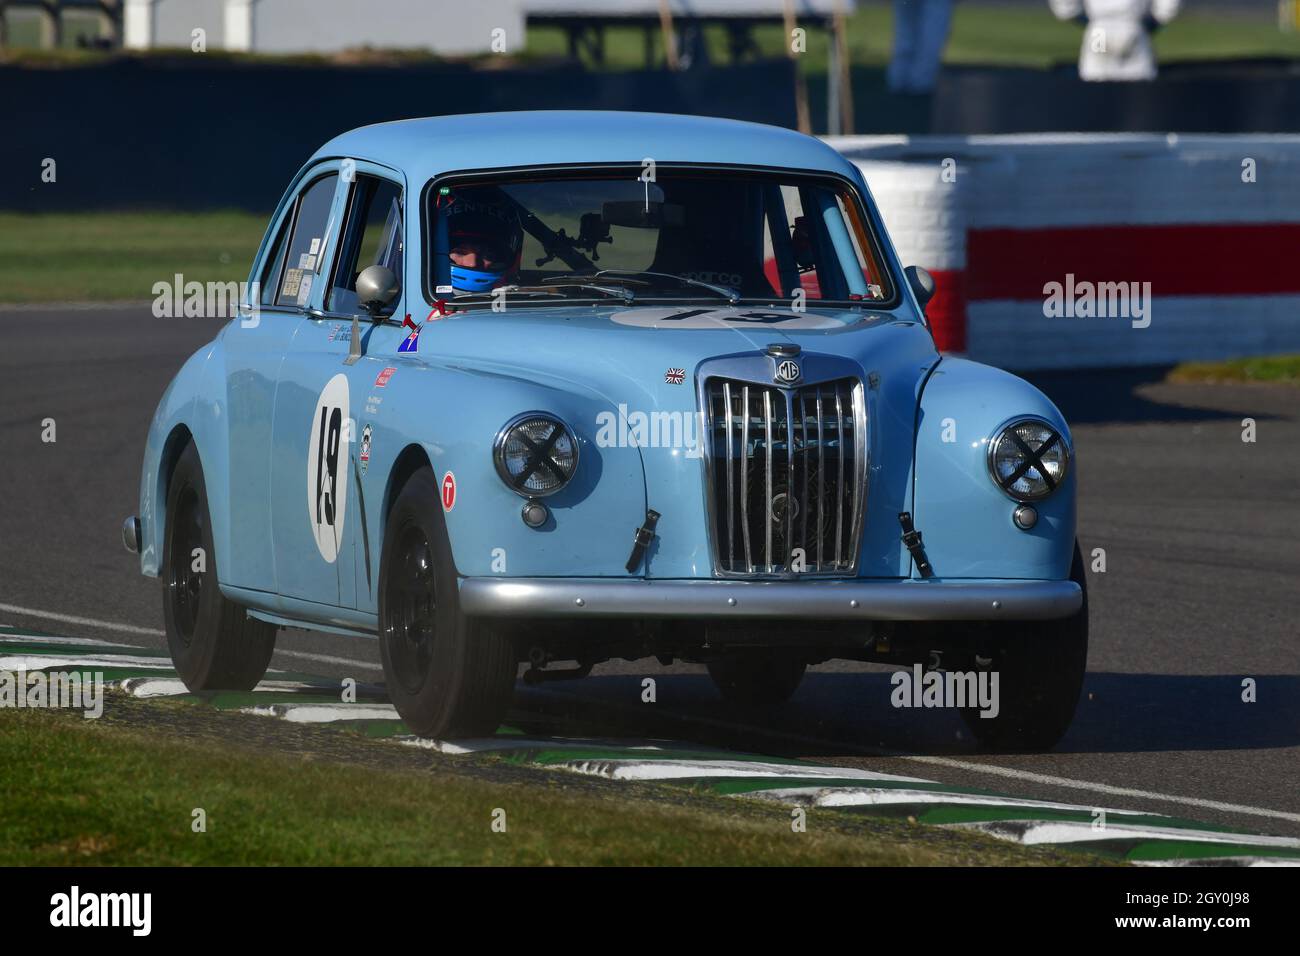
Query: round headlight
(1028, 459)
(536, 454)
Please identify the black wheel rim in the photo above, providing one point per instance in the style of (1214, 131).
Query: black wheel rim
(184, 583)
(410, 602)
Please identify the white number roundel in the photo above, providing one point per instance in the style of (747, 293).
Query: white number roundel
(327, 467)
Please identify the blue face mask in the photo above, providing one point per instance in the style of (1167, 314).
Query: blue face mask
(473, 280)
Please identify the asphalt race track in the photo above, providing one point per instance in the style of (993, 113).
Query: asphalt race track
(1201, 533)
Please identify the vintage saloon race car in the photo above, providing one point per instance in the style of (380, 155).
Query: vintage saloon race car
(564, 387)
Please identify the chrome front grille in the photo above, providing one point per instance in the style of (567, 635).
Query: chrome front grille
(787, 476)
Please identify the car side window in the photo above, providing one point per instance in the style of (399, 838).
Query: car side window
(274, 267)
(372, 235)
(307, 242)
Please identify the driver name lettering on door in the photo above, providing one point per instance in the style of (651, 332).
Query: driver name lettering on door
(327, 488)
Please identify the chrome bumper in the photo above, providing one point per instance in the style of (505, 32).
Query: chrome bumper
(929, 600)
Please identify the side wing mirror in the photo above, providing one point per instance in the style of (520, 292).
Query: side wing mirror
(922, 284)
(377, 289)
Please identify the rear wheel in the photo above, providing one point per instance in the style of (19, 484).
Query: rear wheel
(214, 644)
(1040, 667)
(757, 678)
(447, 675)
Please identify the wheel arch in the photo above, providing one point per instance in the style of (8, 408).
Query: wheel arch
(410, 460)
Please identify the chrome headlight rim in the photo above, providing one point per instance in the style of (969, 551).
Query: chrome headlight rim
(1058, 435)
(499, 445)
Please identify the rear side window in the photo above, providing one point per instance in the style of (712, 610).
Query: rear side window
(372, 235)
(307, 242)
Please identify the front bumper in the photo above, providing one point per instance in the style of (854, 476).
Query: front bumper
(933, 599)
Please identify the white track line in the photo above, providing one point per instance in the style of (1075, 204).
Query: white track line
(1052, 781)
(156, 632)
(331, 659)
(22, 638)
(90, 621)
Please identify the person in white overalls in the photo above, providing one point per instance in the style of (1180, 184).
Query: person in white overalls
(920, 34)
(1117, 35)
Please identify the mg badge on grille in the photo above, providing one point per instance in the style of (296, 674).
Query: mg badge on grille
(787, 373)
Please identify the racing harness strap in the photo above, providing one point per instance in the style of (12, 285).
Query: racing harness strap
(912, 541)
(644, 535)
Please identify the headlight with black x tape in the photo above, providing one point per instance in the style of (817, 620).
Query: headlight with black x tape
(1028, 459)
(536, 454)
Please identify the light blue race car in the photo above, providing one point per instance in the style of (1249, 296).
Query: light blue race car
(570, 386)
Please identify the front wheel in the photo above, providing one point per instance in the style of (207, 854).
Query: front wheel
(447, 675)
(1040, 667)
(214, 644)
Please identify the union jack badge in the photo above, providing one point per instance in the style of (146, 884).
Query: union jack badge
(675, 376)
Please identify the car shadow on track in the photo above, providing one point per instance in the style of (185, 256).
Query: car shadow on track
(836, 714)
(1113, 396)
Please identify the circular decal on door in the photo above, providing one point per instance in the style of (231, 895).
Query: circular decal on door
(327, 457)
(448, 491)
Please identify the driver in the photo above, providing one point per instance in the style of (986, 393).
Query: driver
(485, 242)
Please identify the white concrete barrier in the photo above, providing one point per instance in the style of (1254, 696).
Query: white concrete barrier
(1077, 250)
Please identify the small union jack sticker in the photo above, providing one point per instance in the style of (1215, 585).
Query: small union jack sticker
(675, 376)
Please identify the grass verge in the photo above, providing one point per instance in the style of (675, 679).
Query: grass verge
(1269, 370)
(116, 256)
(122, 790)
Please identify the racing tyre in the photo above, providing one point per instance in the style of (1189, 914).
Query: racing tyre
(214, 644)
(447, 675)
(1041, 666)
(756, 678)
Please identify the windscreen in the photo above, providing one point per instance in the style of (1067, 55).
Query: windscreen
(666, 235)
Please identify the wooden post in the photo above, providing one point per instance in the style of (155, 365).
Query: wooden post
(670, 38)
(841, 42)
(51, 24)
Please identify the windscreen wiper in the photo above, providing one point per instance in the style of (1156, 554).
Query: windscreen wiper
(727, 292)
(582, 282)
(549, 291)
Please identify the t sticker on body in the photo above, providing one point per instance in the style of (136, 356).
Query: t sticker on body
(448, 491)
(687, 318)
(327, 445)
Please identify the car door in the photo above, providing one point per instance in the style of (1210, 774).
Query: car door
(373, 233)
(312, 426)
(253, 348)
